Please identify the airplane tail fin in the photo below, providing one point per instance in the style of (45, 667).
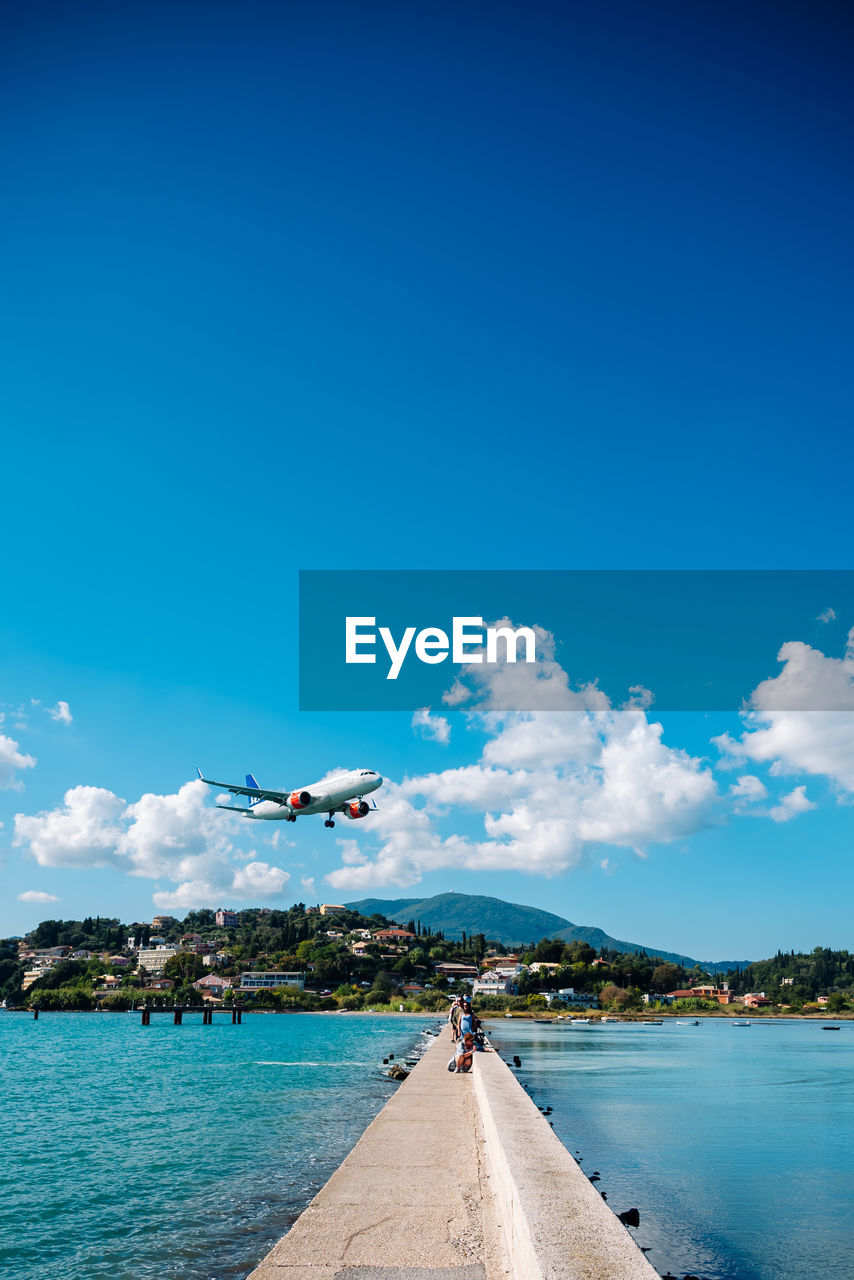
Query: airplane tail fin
(250, 782)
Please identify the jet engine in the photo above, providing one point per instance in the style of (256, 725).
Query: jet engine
(358, 808)
(299, 799)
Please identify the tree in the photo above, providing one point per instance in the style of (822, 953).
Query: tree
(614, 997)
(667, 976)
(186, 967)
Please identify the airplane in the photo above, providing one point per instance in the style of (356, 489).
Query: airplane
(340, 793)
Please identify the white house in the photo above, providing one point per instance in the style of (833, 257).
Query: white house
(268, 978)
(577, 999)
(493, 984)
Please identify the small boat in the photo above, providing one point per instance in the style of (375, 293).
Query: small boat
(740, 1023)
(694, 1022)
(508, 1015)
(830, 1028)
(546, 1020)
(579, 1022)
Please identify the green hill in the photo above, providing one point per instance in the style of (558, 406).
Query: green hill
(459, 913)
(512, 924)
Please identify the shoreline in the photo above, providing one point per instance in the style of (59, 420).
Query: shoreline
(591, 1016)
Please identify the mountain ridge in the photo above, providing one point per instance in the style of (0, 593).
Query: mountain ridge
(514, 924)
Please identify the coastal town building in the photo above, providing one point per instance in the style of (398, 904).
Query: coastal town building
(268, 978)
(330, 908)
(721, 994)
(455, 972)
(214, 985)
(153, 959)
(493, 984)
(226, 919)
(398, 936)
(576, 999)
(162, 922)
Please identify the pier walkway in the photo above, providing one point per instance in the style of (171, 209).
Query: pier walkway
(459, 1177)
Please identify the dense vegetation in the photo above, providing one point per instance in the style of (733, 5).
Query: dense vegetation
(795, 980)
(298, 939)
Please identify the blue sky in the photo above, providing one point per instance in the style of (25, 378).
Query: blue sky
(502, 288)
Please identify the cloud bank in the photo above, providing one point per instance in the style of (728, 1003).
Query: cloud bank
(160, 837)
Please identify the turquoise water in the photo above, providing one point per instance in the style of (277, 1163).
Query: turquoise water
(734, 1143)
(135, 1152)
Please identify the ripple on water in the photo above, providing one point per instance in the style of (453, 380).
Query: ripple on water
(134, 1153)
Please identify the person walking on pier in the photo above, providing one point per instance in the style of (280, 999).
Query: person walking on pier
(454, 1016)
(470, 1023)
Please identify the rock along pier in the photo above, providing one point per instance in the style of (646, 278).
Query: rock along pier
(459, 1177)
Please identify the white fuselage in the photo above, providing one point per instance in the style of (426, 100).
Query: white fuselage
(331, 795)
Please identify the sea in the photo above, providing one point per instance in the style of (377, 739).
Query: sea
(181, 1153)
(184, 1153)
(734, 1143)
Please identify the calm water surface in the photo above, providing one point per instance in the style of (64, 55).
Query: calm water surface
(135, 1152)
(735, 1143)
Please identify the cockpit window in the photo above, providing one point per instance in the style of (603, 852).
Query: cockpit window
(367, 773)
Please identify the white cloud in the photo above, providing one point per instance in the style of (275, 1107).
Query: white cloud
(11, 760)
(552, 784)
(258, 880)
(167, 834)
(802, 720)
(310, 887)
(84, 832)
(827, 615)
(748, 790)
(218, 880)
(37, 895)
(161, 837)
(60, 713)
(436, 728)
(187, 896)
(640, 696)
(791, 805)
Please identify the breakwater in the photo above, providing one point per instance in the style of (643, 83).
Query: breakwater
(459, 1176)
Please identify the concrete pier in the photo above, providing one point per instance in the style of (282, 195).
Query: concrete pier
(458, 1178)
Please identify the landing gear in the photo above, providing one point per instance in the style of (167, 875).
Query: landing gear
(329, 822)
(292, 817)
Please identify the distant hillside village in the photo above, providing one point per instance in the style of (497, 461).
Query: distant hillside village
(332, 957)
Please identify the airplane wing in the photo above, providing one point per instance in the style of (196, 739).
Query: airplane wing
(256, 793)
